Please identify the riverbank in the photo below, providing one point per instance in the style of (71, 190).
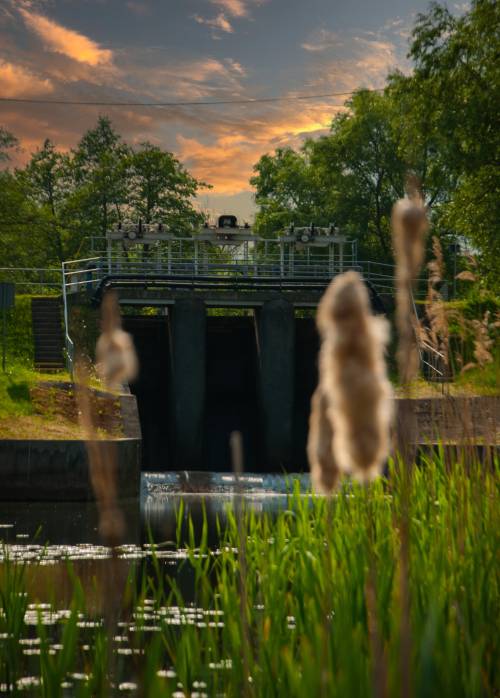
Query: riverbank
(40, 406)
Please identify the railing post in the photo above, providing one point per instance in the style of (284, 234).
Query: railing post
(67, 339)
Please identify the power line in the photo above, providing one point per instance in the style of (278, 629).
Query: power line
(214, 103)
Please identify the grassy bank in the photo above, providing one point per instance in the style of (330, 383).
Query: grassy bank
(308, 602)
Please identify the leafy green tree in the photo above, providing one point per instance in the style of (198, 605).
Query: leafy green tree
(455, 93)
(288, 190)
(7, 141)
(99, 168)
(49, 185)
(22, 240)
(160, 189)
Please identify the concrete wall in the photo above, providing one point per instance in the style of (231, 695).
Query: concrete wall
(43, 470)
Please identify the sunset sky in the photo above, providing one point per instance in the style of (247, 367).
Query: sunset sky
(195, 50)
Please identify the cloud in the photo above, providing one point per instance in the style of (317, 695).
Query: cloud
(350, 61)
(17, 81)
(191, 80)
(219, 22)
(68, 42)
(234, 146)
(322, 40)
(236, 8)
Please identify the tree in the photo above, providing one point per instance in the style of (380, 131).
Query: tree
(7, 141)
(99, 167)
(49, 185)
(160, 189)
(457, 80)
(288, 191)
(350, 177)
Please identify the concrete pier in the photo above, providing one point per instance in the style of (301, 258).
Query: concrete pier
(188, 381)
(275, 331)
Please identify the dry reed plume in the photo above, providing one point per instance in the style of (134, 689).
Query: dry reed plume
(116, 361)
(437, 334)
(103, 462)
(351, 409)
(409, 229)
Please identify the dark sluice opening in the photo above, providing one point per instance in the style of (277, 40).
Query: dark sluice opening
(231, 393)
(306, 379)
(152, 387)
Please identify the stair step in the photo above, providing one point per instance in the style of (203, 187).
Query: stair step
(48, 338)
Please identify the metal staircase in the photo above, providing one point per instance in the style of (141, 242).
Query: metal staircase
(48, 335)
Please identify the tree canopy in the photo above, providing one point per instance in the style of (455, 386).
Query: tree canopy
(50, 208)
(439, 124)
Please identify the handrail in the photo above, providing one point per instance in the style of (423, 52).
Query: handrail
(69, 344)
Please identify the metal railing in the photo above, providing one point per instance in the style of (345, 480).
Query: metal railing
(433, 362)
(33, 279)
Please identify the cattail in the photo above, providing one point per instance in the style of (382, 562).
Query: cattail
(409, 228)
(116, 360)
(103, 461)
(324, 470)
(353, 382)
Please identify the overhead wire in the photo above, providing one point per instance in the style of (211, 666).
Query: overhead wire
(212, 103)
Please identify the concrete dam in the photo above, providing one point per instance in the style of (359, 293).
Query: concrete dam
(223, 324)
(204, 376)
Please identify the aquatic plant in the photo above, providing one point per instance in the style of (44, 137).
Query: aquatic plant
(322, 599)
(355, 394)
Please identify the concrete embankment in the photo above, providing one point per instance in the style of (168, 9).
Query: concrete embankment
(58, 469)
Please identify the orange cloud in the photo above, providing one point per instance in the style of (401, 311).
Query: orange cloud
(219, 22)
(227, 162)
(66, 41)
(16, 81)
(237, 8)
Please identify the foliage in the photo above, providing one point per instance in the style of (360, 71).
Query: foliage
(7, 141)
(19, 332)
(306, 601)
(161, 189)
(51, 208)
(438, 124)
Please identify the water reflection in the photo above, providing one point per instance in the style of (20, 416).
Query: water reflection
(149, 518)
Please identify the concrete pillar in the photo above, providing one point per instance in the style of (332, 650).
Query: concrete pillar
(275, 329)
(188, 366)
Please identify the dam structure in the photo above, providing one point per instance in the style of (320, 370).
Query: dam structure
(223, 324)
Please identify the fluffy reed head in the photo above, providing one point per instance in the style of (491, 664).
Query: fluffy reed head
(353, 381)
(409, 229)
(324, 469)
(116, 360)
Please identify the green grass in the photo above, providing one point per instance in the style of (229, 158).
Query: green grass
(308, 602)
(483, 380)
(15, 384)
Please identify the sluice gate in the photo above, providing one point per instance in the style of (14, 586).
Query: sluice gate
(204, 376)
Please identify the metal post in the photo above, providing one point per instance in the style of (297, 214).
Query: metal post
(109, 251)
(169, 256)
(341, 257)
(331, 259)
(291, 258)
(282, 258)
(4, 337)
(196, 257)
